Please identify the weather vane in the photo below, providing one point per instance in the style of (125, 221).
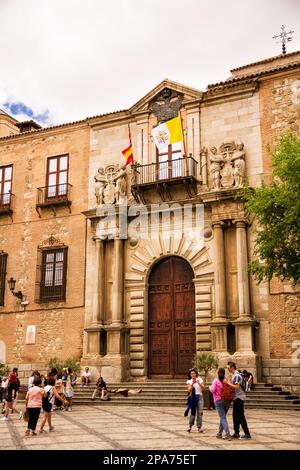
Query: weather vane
(284, 36)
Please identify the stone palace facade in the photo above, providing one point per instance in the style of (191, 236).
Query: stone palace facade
(142, 304)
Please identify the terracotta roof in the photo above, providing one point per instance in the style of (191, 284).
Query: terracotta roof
(26, 123)
(234, 80)
(265, 61)
(58, 126)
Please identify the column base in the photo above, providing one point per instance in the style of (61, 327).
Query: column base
(115, 368)
(218, 329)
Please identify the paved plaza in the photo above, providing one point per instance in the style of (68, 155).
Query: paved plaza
(132, 428)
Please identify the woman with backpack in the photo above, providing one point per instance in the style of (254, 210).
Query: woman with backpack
(222, 395)
(47, 401)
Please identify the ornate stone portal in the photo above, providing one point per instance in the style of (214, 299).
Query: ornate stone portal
(111, 185)
(227, 167)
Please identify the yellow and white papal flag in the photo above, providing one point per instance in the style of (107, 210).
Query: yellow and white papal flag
(167, 133)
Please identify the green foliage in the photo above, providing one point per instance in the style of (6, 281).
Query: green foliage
(276, 208)
(70, 362)
(4, 370)
(205, 362)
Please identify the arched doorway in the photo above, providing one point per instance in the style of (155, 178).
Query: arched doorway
(171, 312)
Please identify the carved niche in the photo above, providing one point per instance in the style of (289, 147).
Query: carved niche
(166, 105)
(111, 185)
(227, 166)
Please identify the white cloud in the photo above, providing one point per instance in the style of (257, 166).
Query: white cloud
(79, 59)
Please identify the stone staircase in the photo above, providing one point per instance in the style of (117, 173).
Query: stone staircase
(173, 393)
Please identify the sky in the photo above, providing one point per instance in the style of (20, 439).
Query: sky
(65, 60)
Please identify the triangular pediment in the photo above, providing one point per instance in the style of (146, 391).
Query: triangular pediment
(188, 94)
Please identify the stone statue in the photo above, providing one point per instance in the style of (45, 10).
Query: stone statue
(216, 162)
(100, 181)
(110, 185)
(121, 185)
(238, 159)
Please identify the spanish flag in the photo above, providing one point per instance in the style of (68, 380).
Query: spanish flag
(167, 133)
(128, 154)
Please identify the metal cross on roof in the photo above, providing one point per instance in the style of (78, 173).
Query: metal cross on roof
(284, 36)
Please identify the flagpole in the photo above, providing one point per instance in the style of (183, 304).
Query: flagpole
(184, 147)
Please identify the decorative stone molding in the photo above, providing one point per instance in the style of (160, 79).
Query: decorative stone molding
(166, 105)
(227, 166)
(141, 262)
(51, 241)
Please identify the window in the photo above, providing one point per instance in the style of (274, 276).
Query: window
(170, 162)
(5, 184)
(57, 177)
(3, 260)
(52, 274)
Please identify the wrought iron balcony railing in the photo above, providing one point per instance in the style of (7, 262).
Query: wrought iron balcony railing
(6, 200)
(181, 168)
(51, 196)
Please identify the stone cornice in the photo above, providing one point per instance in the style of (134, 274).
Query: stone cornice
(48, 131)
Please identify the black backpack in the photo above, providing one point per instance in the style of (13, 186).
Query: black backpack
(47, 399)
(243, 383)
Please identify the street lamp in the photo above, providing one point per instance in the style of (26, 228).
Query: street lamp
(12, 284)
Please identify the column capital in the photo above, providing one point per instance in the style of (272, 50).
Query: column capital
(241, 223)
(217, 223)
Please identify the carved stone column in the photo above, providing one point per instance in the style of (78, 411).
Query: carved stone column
(115, 365)
(98, 297)
(244, 356)
(94, 327)
(242, 269)
(219, 323)
(220, 286)
(118, 288)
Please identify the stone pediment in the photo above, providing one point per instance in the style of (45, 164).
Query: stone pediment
(166, 90)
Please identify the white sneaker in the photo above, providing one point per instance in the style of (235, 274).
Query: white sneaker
(4, 418)
(21, 415)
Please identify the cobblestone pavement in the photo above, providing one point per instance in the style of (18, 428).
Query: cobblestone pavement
(129, 428)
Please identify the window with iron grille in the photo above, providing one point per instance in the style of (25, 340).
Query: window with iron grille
(52, 274)
(3, 261)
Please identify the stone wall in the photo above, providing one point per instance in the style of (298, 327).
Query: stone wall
(282, 372)
(59, 325)
(279, 97)
(279, 111)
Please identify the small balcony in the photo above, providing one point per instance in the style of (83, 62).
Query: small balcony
(164, 175)
(54, 197)
(6, 202)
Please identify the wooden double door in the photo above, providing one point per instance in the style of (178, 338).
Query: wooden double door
(171, 312)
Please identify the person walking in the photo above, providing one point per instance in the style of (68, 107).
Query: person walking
(197, 383)
(222, 406)
(34, 404)
(11, 394)
(48, 401)
(238, 415)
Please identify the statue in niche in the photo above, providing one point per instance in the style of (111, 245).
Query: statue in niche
(166, 105)
(216, 162)
(111, 185)
(100, 181)
(227, 167)
(121, 185)
(238, 159)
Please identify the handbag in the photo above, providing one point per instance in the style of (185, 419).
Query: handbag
(26, 415)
